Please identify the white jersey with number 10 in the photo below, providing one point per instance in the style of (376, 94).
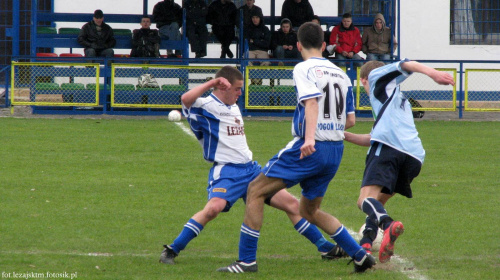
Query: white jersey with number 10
(321, 79)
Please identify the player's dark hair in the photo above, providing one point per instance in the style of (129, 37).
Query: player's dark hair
(230, 73)
(368, 67)
(310, 35)
(347, 15)
(146, 17)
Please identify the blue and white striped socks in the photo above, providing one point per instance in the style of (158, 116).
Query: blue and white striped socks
(248, 244)
(191, 229)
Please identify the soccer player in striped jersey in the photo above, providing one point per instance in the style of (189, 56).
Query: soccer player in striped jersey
(325, 109)
(217, 123)
(396, 153)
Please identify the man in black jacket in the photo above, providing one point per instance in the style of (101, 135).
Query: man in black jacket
(168, 17)
(145, 41)
(298, 11)
(259, 37)
(97, 37)
(196, 25)
(247, 9)
(222, 16)
(284, 43)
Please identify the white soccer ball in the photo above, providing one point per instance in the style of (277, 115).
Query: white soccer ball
(174, 116)
(376, 243)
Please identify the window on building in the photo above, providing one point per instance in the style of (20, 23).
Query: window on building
(474, 22)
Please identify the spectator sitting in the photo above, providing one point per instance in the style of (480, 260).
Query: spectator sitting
(259, 38)
(326, 36)
(222, 16)
(377, 40)
(298, 11)
(347, 39)
(168, 17)
(97, 37)
(196, 25)
(284, 43)
(145, 41)
(247, 9)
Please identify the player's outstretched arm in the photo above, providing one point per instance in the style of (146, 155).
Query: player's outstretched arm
(358, 139)
(191, 95)
(439, 77)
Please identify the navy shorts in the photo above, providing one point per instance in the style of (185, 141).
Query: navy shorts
(314, 172)
(391, 169)
(230, 181)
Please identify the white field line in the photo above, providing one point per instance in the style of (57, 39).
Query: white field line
(402, 265)
(187, 130)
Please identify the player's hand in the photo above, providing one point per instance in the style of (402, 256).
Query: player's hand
(307, 149)
(443, 78)
(222, 83)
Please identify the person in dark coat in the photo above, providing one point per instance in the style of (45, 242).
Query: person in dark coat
(97, 37)
(168, 17)
(247, 9)
(284, 43)
(222, 16)
(145, 41)
(259, 37)
(196, 25)
(297, 11)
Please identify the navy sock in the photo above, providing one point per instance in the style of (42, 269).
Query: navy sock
(370, 232)
(312, 233)
(248, 244)
(345, 240)
(191, 229)
(374, 209)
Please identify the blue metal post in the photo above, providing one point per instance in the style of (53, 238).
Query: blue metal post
(15, 28)
(145, 7)
(34, 23)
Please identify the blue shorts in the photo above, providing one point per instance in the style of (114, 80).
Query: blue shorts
(391, 169)
(230, 181)
(314, 172)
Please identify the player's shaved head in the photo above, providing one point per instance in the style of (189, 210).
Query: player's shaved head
(230, 73)
(310, 35)
(368, 67)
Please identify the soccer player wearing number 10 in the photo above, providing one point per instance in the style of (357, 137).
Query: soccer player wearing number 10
(325, 108)
(217, 123)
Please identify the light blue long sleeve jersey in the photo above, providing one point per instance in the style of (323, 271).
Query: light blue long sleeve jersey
(394, 125)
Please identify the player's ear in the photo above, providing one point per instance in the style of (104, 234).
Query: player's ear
(323, 46)
(299, 47)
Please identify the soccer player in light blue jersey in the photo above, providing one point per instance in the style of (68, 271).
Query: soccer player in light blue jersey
(324, 110)
(396, 153)
(217, 123)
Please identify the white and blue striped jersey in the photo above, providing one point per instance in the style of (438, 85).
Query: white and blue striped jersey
(219, 129)
(394, 125)
(321, 79)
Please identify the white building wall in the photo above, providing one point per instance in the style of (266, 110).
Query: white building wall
(425, 26)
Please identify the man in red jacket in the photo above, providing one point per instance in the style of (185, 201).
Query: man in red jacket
(347, 39)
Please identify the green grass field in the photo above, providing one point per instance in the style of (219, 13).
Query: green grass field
(99, 198)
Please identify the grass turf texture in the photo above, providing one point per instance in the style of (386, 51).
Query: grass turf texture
(100, 197)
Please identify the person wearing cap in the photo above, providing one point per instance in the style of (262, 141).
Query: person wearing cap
(97, 37)
(284, 43)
